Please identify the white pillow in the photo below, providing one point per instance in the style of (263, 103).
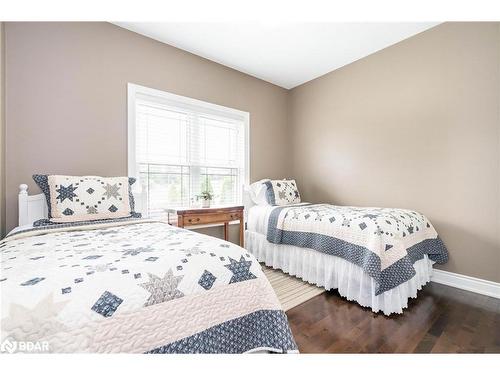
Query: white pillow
(257, 192)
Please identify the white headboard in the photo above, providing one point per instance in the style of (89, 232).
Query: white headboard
(31, 207)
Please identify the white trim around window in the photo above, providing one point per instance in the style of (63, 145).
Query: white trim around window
(136, 92)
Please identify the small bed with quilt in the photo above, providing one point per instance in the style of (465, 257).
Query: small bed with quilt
(120, 283)
(378, 257)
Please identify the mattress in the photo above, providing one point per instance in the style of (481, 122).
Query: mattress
(258, 217)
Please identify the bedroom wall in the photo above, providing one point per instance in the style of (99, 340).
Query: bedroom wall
(67, 100)
(415, 125)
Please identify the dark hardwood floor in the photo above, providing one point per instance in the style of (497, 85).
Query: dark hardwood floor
(441, 320)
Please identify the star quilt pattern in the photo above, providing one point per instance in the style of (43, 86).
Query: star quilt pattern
(79, 198)
(136, 286)
(384, 242)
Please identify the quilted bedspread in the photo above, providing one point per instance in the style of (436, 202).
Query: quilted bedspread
(384, 242)
(138, 287)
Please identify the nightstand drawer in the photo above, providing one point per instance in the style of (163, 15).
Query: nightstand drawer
(211, 218)
(194, 217)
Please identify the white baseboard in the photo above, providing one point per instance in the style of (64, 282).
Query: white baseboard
(472, 284)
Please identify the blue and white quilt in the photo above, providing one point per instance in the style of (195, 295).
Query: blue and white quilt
(384, 242)
(135, 286)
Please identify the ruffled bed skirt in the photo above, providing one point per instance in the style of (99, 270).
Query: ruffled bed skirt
(331, 272)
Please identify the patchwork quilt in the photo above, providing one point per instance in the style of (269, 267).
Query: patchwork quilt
(136, 286)
(384, 242)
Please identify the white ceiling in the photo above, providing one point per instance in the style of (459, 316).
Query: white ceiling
(284, 54)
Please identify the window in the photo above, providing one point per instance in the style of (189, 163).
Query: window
(180, 146)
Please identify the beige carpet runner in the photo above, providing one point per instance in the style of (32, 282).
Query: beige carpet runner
(290, 290)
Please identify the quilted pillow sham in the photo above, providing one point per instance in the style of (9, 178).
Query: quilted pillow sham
(82, 198)
(282, 192)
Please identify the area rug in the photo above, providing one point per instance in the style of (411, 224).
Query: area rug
(290, 290)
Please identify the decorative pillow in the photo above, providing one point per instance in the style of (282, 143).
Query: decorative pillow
(282, 192)
(82, 198)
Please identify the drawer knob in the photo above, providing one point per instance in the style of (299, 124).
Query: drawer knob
(196, 220)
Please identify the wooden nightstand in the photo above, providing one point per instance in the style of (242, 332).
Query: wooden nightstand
(213, 215)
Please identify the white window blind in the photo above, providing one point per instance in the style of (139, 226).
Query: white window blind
(184, 146)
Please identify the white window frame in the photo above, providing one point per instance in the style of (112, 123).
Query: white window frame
(184, 102)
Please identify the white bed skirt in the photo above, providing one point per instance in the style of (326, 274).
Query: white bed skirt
(331, 272)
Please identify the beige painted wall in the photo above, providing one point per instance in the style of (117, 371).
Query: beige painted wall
(66, 100)
(416, 126)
